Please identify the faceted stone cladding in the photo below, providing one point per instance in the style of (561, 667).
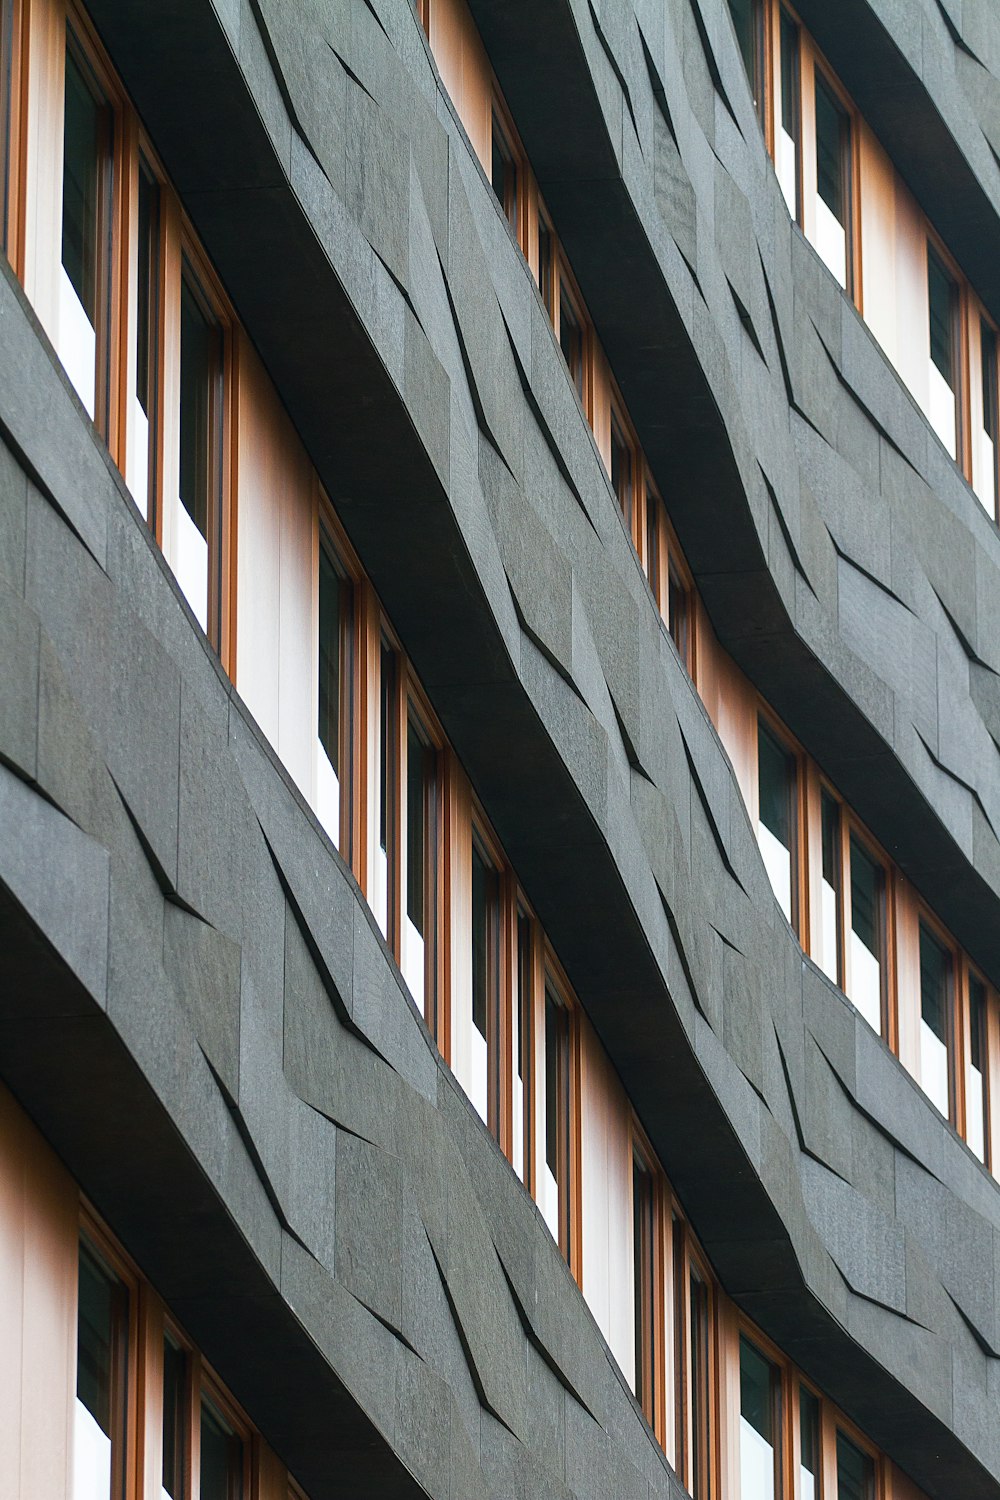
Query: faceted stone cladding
(195, 1004)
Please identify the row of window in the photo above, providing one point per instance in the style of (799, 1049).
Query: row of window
(183, 404)
(150, 1418)
(867, 930)
(843, 192)
(836, 892)
(505, 162)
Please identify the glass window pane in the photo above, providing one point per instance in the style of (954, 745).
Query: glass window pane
(98, 1425)
(200, 457)
(332, 607)
(677, 608)
(571, 338)
(141, 446)
(867, 926)
(485, 983)
(976, 1113)
(941, 293)
(643, 1270)
(221, 1457)
(809, 1448)
(986, 460)
(680, 1359)
(701, 1392)
(621, 471)
(520, 1046)
(420, 871)
(855, 1472)
(84, 280)
(830, 159)
(174, 1424)
(545, 277)
(6, 65)
(788, 134)
(829, 956)
(384, 876)
(776, 786)
(746, 16)
(504, 173)
(759, 1387)
(556, 1126)
(935, 1020)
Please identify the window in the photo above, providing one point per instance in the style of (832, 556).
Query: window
(855, 1471)
(700, 1344)
(175, 1402)
(423, 10)
(935, 1020)
(678, 1278)
(420, 926)
(748, 21)
(522, 1030)
(623, 472)
(988, 456)
(678, 604)
(484, 1078)
(830, 904)
(334, 696)
(85, 278)
(382, 895)
(644, 1286)
(776, 819)
(221, 1456)
(833, 182)
(809, 1445)
(140, 465)
(557, 1128)
(788, 134)
(197, 543)
(571, 338)
(866, 986)
(101, 1362)
(6, 120)
(546, 262)
(504, 172)
(942, 370)
(977, 1115)
(760, 1409)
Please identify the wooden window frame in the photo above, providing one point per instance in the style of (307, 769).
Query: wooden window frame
(517, 907)
(977, 319)
(961, 321)
(797, 811)
(786, 1418)
(82, 38)
(417, 706)
(956, 1082)
(498, 1082)
(686, 1257)
(94, 1233)
(515, 214)
(630, 506)
(652, 1312)
(329, 534)
(569, 1135)
(834, 1421)
(564, 281)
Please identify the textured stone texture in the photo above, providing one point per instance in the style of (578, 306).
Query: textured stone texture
(194, 1003)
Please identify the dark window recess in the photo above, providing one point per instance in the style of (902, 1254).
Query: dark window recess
(701, 1388)
(867, 884)
(777, 780)
(419, 793)
(102, 1334)
(571, 338)
(855, 1471)
(833, 133)
(991, 418)
(935, 974)
(174, 1424)
(86, 176)
(504, 173)
(789, 76)
(622, 471)
(332, 607)
(809, 1442)
(942, 297)
(557, 1107)
(221, 1457)
(524, 1027)
(653, 569)
(545, 264)
(643, 1255)
(387, 742)
(201, 372)
(759, 1397)
(748, 21)
(677, 611)
(485, 965)
(147, 291)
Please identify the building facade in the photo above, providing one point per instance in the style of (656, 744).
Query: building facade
(499, 749)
